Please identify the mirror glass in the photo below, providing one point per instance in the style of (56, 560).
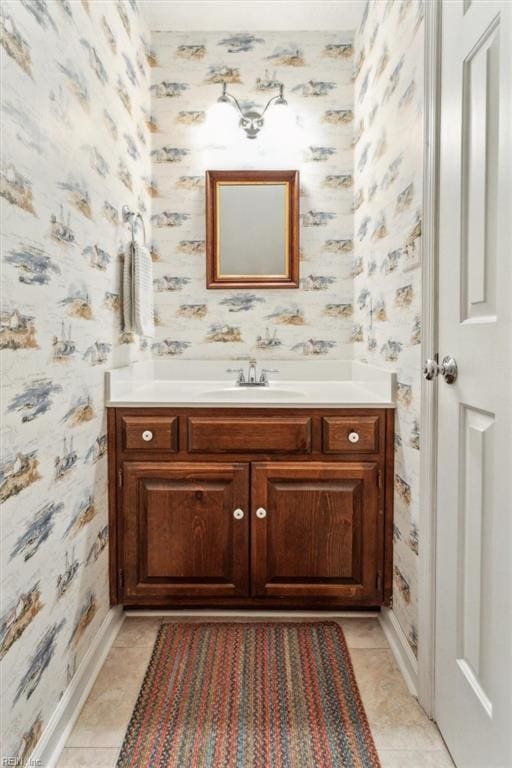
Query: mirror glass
(252, 229)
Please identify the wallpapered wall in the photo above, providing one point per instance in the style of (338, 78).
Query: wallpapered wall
(387, 249)
(76, 147)
(83, 134)
(359, 150)
(187, 72)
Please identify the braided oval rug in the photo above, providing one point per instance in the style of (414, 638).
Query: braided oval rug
(240, 695)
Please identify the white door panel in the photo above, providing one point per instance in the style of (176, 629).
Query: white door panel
(474, 536)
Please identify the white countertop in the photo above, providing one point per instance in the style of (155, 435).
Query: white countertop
(309, 384)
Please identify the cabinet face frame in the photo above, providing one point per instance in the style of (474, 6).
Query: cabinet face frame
(116, 462)
(290, 277)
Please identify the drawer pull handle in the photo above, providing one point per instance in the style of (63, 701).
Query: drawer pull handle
(238, 514)
(261, 513)
(353, 437)
(147, 435)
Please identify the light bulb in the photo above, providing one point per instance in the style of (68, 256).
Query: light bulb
(221, 123)
(281, 124)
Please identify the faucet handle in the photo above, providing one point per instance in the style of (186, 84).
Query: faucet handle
(240, 378)
(263, 374)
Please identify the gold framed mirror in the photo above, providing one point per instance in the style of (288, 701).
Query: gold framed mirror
(252, 229)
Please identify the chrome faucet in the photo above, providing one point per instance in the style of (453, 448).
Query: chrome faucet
(251, 378)
(252, 375)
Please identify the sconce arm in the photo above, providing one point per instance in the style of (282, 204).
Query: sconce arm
(225, 96)
(276, 99)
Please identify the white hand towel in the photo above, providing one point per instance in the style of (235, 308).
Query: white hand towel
(127, 287)
(142, 291)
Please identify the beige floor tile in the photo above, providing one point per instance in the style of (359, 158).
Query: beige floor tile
(102, 723)
(73, 757)
(403, 734)
(363, 633)
(396, 719)
(122, 673)
(137, 631)
(107, 711)
(405, 758)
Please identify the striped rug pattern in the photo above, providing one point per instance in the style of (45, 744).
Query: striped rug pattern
(269, 695)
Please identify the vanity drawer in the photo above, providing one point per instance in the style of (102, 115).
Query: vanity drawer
(249, 434)
(150, 433)
(347, 434)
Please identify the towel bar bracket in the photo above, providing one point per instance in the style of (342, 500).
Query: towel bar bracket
(130, 216)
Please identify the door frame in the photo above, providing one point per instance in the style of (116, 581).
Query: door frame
(429, 348)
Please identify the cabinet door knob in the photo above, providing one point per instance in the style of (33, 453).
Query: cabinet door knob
(353, 437)
(238, 514)
(261, 513)
(147, 435)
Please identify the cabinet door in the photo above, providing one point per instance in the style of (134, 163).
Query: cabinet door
(317, 531)
(185, 530)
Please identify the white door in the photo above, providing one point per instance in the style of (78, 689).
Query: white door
(474, 534)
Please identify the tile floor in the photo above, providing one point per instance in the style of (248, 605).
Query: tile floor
(404, 736)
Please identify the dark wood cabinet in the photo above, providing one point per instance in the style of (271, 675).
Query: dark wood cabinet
(338, 433)
(149, 433)
(250, 507)
(318, 531)
(261, 434)
(180, 533)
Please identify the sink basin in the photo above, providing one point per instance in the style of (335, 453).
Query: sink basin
(251, 393)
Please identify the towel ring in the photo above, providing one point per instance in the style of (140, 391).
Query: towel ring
(133, 217)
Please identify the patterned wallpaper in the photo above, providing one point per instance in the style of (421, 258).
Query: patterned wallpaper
(358, 147)
(84, 132)
(187, 72)
(75, 148)
(387, 249)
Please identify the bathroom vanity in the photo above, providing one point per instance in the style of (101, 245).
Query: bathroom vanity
(280, 497)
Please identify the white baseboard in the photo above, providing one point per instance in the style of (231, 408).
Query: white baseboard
(60, 724)
(404, 657)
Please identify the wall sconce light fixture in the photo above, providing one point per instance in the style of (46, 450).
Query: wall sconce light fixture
(251, 121)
